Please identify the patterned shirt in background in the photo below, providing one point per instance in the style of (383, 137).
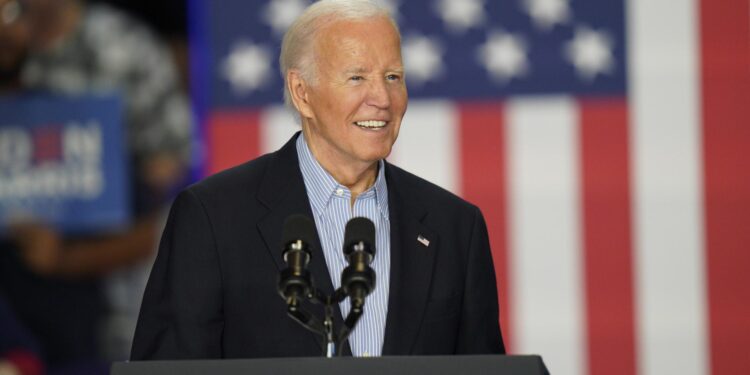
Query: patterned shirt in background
(112, 52)
(331, 205)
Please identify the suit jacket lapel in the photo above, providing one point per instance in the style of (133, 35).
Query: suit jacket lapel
(283, 192)
(411, 266)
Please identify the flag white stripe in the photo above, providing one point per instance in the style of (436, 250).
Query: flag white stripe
(545, 251)
(277, 125)
(428, 143)
(669, 255)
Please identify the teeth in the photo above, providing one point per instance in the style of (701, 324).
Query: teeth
(371, 124)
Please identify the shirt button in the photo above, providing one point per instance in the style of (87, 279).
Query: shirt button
(339, 192)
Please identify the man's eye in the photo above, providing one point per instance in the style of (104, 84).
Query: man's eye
(356, 78)
(393, 77)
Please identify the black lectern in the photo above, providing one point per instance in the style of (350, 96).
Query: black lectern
(433, 365)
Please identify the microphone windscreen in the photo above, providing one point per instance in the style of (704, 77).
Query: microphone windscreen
(298, 227)
(360, 229)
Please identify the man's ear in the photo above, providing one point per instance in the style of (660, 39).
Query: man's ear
(299, 90)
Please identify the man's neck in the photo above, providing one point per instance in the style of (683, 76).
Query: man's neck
(357, 177)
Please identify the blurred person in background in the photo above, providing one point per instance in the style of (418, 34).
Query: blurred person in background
(81, 295)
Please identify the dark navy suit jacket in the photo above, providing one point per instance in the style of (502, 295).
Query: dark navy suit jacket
(212, 291)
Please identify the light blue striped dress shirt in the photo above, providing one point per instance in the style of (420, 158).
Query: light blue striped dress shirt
(332, 209)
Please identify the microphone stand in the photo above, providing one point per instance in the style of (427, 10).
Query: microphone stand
(357, 280)
(326, 328)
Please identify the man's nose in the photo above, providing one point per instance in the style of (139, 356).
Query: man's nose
(378, 95)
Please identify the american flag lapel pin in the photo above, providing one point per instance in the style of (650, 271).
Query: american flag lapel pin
(423, 240)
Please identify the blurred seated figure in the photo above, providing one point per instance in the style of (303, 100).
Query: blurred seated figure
(18, 350)
(80, 296)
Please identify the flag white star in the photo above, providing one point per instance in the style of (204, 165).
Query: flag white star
(548, 13)
(279, 14)
(461, 15)
(422, 59)
(504, 55)
(247, 67)
(590, 51)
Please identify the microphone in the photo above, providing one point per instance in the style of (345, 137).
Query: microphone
(295, 281)
(358, 279)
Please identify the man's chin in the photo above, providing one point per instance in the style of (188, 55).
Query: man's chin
(375, 156)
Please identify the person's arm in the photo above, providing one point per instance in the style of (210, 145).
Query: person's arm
(181, 314)
(46, 253)
(479, 329)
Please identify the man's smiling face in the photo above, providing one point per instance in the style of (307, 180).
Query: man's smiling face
(358, 96)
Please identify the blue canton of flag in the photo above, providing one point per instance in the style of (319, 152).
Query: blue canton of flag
(469, 49)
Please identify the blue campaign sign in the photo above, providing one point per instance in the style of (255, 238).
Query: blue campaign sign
(63, 162)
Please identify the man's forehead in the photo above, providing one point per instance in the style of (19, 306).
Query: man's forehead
(350, 37)
(353, 31)
(359, 59)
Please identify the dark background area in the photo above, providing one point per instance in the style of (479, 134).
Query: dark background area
(167, 17)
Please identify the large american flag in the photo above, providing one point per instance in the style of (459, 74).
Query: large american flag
(606, 141)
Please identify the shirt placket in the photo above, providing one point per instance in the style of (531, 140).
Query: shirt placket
(340, 203)
(361, 208)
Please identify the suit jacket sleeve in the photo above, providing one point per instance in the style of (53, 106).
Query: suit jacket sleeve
(479, 329)
(181, 315)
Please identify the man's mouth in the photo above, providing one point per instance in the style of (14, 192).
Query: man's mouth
(371, 124)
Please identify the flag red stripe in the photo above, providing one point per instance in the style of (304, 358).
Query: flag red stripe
(725, 42)
(232, 138)
(483, 183)
(607, 244)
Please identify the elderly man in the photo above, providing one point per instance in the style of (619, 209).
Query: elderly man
(212, 292)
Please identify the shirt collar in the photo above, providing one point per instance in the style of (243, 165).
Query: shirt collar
(321, 186)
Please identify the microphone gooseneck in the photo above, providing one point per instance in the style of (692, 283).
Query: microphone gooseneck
(295, 281)
(358, 279)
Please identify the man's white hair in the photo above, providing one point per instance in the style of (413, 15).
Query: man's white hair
(297, 47)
